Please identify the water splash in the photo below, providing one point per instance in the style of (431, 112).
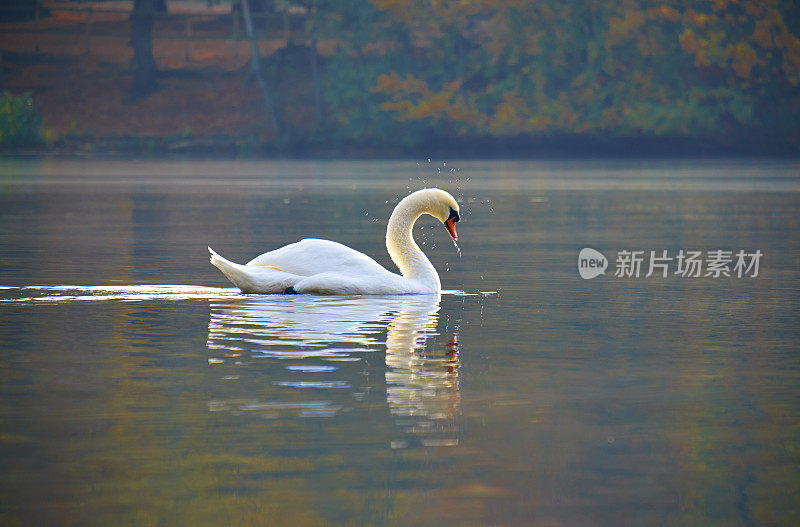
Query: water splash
(457, 248)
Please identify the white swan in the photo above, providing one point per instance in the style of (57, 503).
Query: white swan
(326, 267)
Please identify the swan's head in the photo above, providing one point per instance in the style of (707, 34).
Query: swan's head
(439, 204)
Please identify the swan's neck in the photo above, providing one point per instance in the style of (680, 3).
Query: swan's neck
(404, 251)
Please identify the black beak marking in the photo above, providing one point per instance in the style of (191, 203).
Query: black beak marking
(453, 215)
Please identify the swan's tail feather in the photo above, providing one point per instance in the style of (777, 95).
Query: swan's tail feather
(228, 268)
(216, 260)
(253, 279)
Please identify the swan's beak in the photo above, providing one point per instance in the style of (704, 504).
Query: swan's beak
(450, 224)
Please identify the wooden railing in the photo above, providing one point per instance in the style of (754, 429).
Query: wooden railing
(176, 26)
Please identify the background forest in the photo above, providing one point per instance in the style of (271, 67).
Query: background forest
(502, 76)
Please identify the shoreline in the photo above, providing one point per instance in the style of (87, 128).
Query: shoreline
(224, 146)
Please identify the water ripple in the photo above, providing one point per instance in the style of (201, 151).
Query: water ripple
(141, 293)
(123, 293)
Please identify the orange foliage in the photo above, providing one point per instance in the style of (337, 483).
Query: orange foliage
(412, 99)
(753, 9)
(620, 29)
(720, 5)
(509, 116)
(762, 34)
(665, 12)
(689, 41)
(580, 68)
(744, 59)
(696, 19)
(728, 43)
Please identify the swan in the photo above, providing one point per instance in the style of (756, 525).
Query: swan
(327, 267)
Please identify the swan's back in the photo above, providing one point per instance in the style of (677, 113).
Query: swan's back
(313, 256)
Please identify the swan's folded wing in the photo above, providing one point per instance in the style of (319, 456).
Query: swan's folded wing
(313, 256)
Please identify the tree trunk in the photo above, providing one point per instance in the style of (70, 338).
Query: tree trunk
(319, 100)
(144, 66)
(255, 64)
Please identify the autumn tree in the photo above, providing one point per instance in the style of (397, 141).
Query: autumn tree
(629, 68)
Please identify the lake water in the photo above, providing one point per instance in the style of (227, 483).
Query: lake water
(138, 388)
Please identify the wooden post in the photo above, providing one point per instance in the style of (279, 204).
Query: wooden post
(89, 13)
(144, 72)
(188, 38)
(235, 15)
(38, 16)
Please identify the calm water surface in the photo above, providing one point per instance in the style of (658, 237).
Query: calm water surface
(137, 388)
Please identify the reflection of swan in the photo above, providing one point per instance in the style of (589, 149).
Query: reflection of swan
(326, 267)
(314, 339)
(305, 327)
(419, 384)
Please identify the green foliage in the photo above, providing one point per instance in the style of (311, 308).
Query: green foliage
(405, 72)
(20, 123)
(363, 51)
(625, 69)
(354, 107)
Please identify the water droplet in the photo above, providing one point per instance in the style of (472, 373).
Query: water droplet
(457, 248)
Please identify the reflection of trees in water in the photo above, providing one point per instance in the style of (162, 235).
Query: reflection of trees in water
(317, 346)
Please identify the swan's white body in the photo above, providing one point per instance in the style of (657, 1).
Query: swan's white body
(327, 267)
